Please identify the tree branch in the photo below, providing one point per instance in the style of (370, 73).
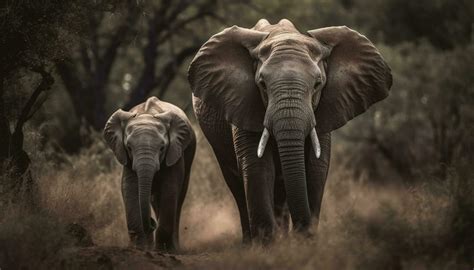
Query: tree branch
(5, 132)
(170, 69)
(150, 55)
(181, 24)
(94, 23)
(69, 76)
(26, 113)
(86, 60)
(107, 59)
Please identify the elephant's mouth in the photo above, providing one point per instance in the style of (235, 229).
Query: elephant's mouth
(266, 135)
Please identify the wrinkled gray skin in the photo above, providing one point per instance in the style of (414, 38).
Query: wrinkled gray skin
(294, 87)
(155, 144)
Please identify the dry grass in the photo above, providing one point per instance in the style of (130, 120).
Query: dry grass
(370, 228)
(424, 226)
(210, 216)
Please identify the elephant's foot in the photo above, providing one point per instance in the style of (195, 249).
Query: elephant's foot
(246, 238)
(167, 247)
(264, 238)
(166, 241)
(283, 222)
(140, 240)
(264, 232)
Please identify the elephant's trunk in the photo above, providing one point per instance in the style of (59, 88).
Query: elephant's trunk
(145, 168)
(290, 119)
(290, 142)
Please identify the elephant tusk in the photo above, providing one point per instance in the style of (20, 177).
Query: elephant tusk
(263, 143)
(315, 141)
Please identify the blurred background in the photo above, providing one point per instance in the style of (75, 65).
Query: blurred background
(67, 65)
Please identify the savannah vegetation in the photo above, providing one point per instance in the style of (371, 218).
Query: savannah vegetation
(400, 191)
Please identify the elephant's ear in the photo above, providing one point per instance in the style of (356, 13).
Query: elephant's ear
(357, 77)
(180, 135)
(113, 134)
(222, 75)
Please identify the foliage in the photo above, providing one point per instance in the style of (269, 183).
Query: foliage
(28, 240)
(33, 37)
(131, 52)
(429, 112)
(445, 24)
(34, 32)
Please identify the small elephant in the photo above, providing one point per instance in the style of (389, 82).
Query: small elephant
(155, 143)
(267, 99)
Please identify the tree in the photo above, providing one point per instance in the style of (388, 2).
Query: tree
(424, 127)
(87, 74)
(29, 44)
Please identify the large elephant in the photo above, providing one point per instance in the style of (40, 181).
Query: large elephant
(155, 144)
(263, 95)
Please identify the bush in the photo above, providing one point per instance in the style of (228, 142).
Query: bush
(28, 240)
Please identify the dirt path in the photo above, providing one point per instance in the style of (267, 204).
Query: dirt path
(128, 258)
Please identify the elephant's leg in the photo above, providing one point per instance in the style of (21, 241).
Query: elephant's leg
(188, 160)
(171, 180)
(219, 134)
(259, 175)
(236, 186)
(316, 173)
(155, 200)
(132, 209)
(282, 215)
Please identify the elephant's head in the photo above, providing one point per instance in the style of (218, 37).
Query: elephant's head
(145, 143)
(276, 80)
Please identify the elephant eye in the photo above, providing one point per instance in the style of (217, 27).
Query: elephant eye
(261, 83)
(318, 81)
(163, 153)
(264, 51)
(161, 128)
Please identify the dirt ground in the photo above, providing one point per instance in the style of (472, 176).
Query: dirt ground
(129, 258)
(117, 258)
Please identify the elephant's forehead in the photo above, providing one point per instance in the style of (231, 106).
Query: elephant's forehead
(144, 121)
(295, 40)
